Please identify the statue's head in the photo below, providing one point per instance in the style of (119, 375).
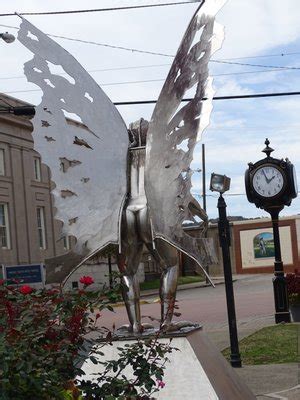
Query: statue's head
(138, 132)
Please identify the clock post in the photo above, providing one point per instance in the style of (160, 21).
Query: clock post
(282, 313)
(271, 184)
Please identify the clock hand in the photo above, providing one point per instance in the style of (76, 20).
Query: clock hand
(267, 180)
(271, 178)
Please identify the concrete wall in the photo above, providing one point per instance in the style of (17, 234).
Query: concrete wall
(241, 235)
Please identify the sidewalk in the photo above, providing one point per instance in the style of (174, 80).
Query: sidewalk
(217, 280)
(272, 381)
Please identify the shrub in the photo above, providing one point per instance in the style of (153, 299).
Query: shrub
(293, 287)
(43, 336)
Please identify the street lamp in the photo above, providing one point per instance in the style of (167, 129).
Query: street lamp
(220, 184)
(7, 37)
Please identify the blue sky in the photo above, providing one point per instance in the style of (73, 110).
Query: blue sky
(238, 127)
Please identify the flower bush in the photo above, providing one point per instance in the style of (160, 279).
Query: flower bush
(293, 287)
(44, 340)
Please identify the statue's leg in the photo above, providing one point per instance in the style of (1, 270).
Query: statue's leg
(128, 262)
(167, 258)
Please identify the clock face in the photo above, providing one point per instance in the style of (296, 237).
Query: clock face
(268, 181)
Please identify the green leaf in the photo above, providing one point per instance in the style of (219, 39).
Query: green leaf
(93, 359)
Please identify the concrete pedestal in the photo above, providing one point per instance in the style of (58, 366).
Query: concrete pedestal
(197, 371)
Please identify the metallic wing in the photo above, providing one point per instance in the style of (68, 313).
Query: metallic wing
(173, 133)
(88, 159)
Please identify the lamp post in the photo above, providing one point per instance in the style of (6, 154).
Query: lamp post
(220, 184)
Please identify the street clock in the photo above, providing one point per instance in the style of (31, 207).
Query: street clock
(271, 182)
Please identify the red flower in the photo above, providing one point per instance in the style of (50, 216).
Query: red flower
(160, 383)
(86, 280)
(51, 334)
(25, 289)
(51, 292)
(2, 281)
(98, 315)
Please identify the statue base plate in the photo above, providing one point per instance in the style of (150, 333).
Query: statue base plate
(196, 371)
(181, 328)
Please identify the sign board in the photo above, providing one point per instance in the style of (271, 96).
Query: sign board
(20, 274)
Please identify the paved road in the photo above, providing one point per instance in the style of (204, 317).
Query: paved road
(207, 305)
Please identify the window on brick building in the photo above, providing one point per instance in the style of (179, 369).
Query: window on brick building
(37, 169)
(4, 226)
(2, 162)
(41, 227)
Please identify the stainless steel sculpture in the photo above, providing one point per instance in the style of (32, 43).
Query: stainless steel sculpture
(97, 201)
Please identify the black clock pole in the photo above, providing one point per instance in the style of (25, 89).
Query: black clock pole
(282, 313)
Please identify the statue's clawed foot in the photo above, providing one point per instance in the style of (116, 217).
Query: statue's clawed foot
(136, 330)
(180, 326)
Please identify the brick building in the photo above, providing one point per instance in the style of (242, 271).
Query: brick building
(29, 234)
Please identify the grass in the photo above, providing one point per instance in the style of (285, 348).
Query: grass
(276, 344)
(181, 281)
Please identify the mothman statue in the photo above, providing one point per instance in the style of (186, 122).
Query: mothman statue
(111, 187)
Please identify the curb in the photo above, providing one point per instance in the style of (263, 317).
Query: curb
(153, 292)
(182, 287)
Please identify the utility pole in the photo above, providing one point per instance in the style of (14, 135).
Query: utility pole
(203, 177)
(204, 200)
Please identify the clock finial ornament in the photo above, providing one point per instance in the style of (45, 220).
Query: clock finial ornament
(268, 150)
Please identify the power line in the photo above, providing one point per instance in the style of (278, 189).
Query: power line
(101, 84)
(154, 53)
(148, 66)
(243, 96)
(103, 9)
(262, 56)
(253, 65)
(100, 70)
(133, 50)
(249, 72)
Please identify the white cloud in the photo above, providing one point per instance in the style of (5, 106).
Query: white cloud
(229, 86)
(256, 26)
